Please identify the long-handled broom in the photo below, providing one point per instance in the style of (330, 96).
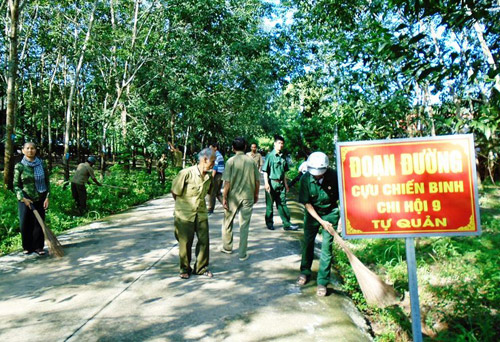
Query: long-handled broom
(55, 247)
(375, 290)
(115, 187)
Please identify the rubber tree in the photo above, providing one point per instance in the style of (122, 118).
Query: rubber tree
(14, 8)
(69, 109)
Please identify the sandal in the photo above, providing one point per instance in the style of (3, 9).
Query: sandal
(302, 280)
(26, 252)
(184, 275)
(321, 291)
(40, 252)
(207, 273)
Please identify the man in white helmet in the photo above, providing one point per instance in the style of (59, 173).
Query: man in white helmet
(319, 194)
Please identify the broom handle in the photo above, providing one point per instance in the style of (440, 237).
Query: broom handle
(115, 187)
(343, 245)
(38, 217)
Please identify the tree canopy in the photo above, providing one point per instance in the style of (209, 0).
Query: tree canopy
(125, 77)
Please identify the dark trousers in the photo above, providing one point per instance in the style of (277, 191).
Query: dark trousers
(277, 195)
(215, 192)
(31, 232)
(79, 192)
(311, 228)
(161, 175)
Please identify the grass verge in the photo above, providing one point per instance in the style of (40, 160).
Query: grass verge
(135, 187)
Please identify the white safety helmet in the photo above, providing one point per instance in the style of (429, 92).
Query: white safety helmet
(317, 163)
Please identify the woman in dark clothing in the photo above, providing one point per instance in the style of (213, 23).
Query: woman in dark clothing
(31, 185)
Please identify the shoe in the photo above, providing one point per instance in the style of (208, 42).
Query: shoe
(321, 291)
(225, 251)
(245, 257)
(207, 273)
(270, 227)
(40, 251)
(26, 252)
(292, 227)
(184, 275)
(302, 280)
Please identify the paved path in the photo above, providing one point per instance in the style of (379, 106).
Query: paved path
(119, 282)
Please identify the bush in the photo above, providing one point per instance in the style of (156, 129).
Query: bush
(459, 281)
(121, 190)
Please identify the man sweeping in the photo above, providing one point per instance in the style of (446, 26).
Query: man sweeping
(319, 192)
(82, 174)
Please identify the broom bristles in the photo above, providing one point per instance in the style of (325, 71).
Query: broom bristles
(375, 290)
(55, 247)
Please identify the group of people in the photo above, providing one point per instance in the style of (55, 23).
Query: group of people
(32, 188)
(241, 178)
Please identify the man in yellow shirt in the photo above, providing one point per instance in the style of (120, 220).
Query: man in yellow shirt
(256, 156)
(189, 189)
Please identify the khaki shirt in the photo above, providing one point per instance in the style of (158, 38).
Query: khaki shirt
(242, 174)
(275, 166)
(191, 187)
(177, 158)
(257, 158)
(82, 174)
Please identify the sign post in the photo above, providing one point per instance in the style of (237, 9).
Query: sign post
(411, 264)
(407, 188)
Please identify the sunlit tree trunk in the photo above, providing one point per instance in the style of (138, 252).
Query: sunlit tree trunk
(14, 11)
(185, 147)
(69, 108)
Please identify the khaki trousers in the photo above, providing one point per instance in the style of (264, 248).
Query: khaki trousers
(184, 233)
(244, 208)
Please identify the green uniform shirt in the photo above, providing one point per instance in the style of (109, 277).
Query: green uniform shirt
(275, 165)
(323, 197)
(82, 174)
(24, 181)
(191, 187)
(257, 158)
(242, 173)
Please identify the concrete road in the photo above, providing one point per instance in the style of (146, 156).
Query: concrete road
(119, 282)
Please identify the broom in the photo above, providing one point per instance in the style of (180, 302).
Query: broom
(115, 187)
(55, 247)
(375, 290)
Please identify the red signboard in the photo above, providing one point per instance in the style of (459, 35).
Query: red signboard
(408, 187)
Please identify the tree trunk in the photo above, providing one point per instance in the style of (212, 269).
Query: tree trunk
(49, 110)
(72, 95)
(8, 175)
(185, 147)
(172, 124)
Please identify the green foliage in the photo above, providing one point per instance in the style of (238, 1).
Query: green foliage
(135, 187)
(9, 219)
(459, 280)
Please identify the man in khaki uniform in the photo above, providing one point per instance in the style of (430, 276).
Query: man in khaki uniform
(256, 156)
(189, 189)
(177, 155)
(241, 192)
(82, 174)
